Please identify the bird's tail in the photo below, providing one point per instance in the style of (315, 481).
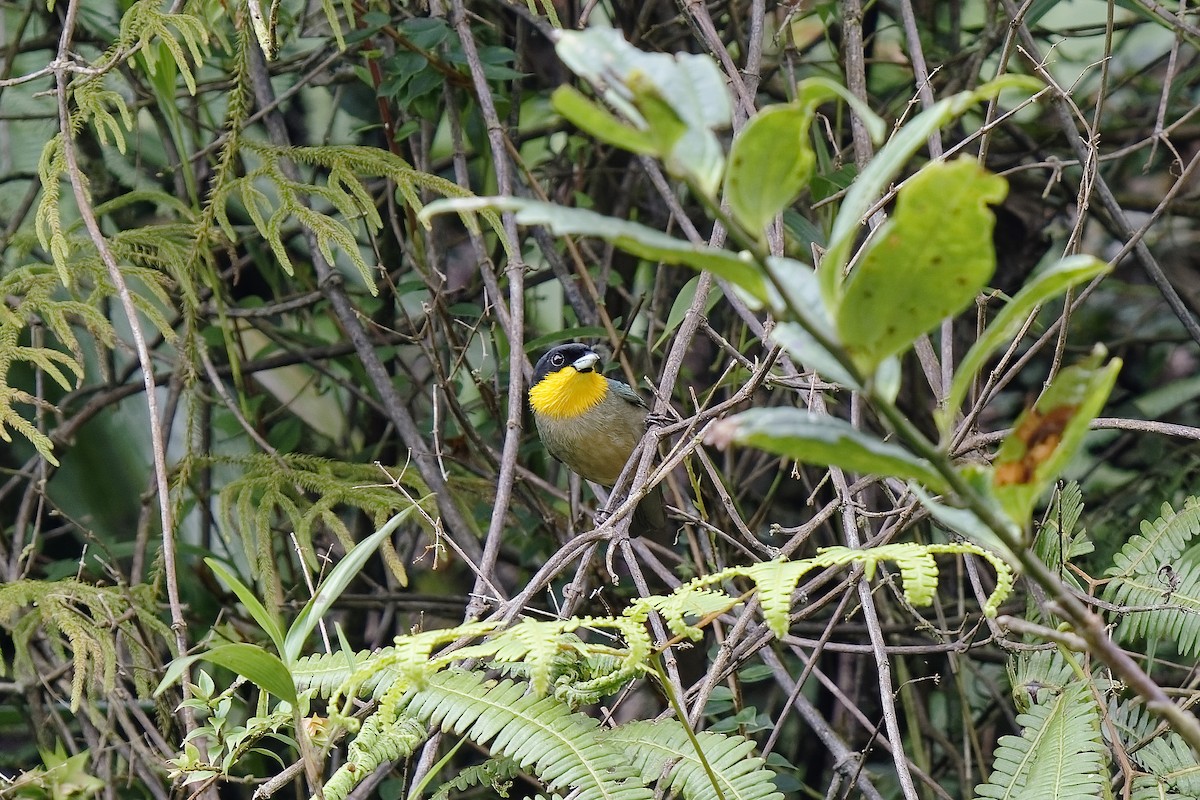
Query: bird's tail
(650, 516)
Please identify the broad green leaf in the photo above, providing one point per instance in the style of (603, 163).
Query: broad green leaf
(769, 163)
(252, 662)
(335, 583)
(629, 236)
(822, 440)
(676, 100)
(1047, 435)
(664, 124)
(802, 346)
(812, 92)
(886, 166)
(265, 619)
(691, 84)
(696, 88)
(926, 263)
(1047, 284)
(771, 160)
(687, 148)
(603, 58)
(598, 122)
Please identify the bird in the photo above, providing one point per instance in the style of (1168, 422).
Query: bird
(591, 423)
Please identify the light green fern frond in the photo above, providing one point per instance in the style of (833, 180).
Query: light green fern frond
(324, 673)
(47, 219)
(1160, 542)
(777, 579)
(495, 773)
(537, 644)
(413, 660)
(145, 24)
(38, 295)
(1037, 672)
(90, 625)
(656, 748)
(1059, 753)
(694, 603)
(343, 191)
(93, 101)
(1159, 571)
(303, 490)
(376, 743)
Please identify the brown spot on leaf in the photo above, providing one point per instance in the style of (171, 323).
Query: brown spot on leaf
(1041, 434)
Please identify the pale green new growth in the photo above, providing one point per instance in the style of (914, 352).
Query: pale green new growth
(420, 676)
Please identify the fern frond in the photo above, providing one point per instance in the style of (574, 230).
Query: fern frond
(303, 491)
(376, 743)
(1037, 672)
(496, 773)
(1172, 768)
(47, 220)
(1160, 542)
(1156, 569)
(89, 624)
(343, 191)
(411, 661)
(537, 645)
(777, 579)
(92, 101)
(542, 735)
(1059, 753)
(695, 603)
(655, 746)
(323, 673)
(145, 24)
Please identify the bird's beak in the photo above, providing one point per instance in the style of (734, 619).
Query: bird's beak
(586, 363)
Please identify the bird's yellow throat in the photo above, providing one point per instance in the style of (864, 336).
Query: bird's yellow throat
(567, 392)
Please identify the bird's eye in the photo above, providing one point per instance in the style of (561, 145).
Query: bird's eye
(556, 359)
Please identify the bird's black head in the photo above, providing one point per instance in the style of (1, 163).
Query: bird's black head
(565, 355)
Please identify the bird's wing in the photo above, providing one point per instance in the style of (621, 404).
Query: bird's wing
(626, 392)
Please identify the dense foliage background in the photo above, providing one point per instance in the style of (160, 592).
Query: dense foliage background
(225, 332)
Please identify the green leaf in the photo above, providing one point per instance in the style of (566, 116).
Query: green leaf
(927, 263)
(598, 122)
(823, 440)
(887, 164)
(1046, 436)
(771, 160)
(769, 163)
(677, 100)
(629, 236)
(265, 619)
(801, 345)
(251, 661)
(1051, 282)
(335, 583)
